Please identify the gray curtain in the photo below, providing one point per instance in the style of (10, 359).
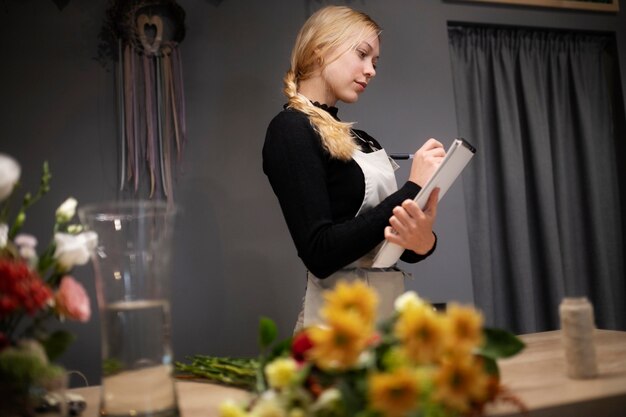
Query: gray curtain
(542, 193)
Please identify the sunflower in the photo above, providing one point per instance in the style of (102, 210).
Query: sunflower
(465, 327)
(338, 344)
(354, 298)
(460, 381)
(393, 394)
(421, 332)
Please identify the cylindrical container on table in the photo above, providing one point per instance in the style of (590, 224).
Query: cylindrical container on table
(577, 327)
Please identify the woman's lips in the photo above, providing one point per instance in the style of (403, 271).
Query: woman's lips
(362, 85)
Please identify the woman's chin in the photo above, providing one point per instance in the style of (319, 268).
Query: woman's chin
(350, 99)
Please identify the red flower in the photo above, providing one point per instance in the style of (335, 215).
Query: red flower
(21, 288)
(300, 345)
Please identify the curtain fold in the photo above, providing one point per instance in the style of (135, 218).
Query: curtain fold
(542, 193)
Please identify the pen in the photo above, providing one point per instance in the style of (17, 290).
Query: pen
(401, 155)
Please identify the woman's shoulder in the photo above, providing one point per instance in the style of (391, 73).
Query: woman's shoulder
(290, 137)
(291, 125)
(289, 118)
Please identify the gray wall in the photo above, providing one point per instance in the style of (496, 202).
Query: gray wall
(234, 259)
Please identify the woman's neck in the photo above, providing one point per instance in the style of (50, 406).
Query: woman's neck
(315, 89)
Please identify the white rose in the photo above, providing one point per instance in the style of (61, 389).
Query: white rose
(9, 175)
(268, 405)
(4, 235)
(74, 250)
(66, 211)
(328, 400)
(409, 298)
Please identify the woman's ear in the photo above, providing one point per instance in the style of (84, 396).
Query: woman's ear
(319, 60)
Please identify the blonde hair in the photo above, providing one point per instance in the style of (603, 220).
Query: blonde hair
(324, 32)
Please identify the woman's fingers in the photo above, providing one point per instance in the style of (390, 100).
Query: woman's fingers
(431, 205)
(411, 227)
(431, 144)
(426, 160)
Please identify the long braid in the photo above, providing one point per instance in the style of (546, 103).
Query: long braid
(335, 135)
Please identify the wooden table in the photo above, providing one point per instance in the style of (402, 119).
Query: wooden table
(537, 377)
(195, 399)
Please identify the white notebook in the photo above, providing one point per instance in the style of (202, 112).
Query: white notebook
(457, 157)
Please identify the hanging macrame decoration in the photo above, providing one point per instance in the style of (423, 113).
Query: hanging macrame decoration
(144, 36)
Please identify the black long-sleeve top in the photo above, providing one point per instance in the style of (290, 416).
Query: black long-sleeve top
(320, 196)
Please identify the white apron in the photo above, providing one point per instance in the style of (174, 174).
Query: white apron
(380, 181)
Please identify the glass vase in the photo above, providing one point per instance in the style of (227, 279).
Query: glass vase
(132, 270)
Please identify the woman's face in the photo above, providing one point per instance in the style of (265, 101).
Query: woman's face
(348, 75)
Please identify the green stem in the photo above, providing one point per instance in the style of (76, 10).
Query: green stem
(37, 322)
(7, 203)
(44, 187)
(229, 371)
(46, 261)
(12, 324)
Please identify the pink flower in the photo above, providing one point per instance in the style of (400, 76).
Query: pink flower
(72, 300)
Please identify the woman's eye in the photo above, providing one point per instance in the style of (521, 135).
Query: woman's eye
(361, 53)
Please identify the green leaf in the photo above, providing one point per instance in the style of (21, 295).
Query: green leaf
(282, 348)
(57, 343)
(111, 366)
(500, 344)
(267, 332)
(491, 366)
(352, 398)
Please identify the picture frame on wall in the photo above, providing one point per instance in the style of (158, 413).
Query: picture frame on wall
(593, 5)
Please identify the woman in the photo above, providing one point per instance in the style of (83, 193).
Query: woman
(335, 184)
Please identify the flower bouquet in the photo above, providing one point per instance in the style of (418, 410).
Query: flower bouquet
(419, 362)
(33, 290)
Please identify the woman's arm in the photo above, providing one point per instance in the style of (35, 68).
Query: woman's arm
(295, 164)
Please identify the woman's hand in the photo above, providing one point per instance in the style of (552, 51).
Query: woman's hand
(412, 227)
(425, 161)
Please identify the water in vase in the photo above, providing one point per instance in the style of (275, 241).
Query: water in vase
(137, 360)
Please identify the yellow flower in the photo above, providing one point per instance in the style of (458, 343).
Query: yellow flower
(422, 333)
(459, 381)
(466, 327)
(393, 394)
(230, 409)
(281, 372)
(355, 298)
(338, 344)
